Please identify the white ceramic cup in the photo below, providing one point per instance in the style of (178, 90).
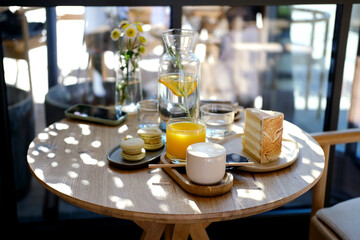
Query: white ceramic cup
(205, 163)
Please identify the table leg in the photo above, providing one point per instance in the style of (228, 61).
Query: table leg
(173, 231)
(151, 230)
(182, 231)
(198, 231)
(177, 231)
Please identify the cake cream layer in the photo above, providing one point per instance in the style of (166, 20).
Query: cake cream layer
(252, 136)
(251, 149)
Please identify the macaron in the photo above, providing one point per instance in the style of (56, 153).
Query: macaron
(151, 137)
(134, 157)
(156, 146)
(132, 149)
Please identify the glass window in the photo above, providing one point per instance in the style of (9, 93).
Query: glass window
(87, 59)
(346, 166)
(85, 56)
(267, 57)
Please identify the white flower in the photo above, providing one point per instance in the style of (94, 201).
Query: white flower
(115, 34)
(130, 32)
(124, 22)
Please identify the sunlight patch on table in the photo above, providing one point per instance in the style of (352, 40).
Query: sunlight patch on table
(72, 174)
(156, 190)
(88, 160)
(164, 207)
(121, 203)
(85, 182)
(308, 178)
(39, 173)
(42, 148)
(96, 144)
(52, 133)
(75, 165)
(315, 173)
(35, 153)
(30, 159)
(315, 147)
(54, 164)
(118, 182)
(319, 165)
(59, 126)
(123, 128)
(71, 140)
(256, 194)
(194, 206)
(305, 161)
(85, 129)
(101, 163)
(311, 143)
(61, 187)
(43, 136)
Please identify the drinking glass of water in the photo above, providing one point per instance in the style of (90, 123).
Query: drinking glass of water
(148, 114)
(218, 119)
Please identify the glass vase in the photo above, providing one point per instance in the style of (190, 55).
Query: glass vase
(128, 88)
(179, 76)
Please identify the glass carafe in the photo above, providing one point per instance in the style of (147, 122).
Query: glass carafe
(179, 76)
(128, 89)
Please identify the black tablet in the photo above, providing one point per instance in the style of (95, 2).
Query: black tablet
(95, 114)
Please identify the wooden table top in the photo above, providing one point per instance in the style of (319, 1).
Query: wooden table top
(69, 158)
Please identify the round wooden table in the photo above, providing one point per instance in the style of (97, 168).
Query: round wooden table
(69, 158)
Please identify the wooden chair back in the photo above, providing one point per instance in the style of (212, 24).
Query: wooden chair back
(326, 140)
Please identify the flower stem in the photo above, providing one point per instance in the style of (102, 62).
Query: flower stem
(176, 59)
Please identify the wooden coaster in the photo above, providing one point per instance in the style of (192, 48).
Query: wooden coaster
(220, 188)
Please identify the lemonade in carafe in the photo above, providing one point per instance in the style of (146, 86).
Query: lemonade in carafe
(179, 77)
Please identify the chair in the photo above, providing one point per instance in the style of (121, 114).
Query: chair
(17, 46)
(341, 221)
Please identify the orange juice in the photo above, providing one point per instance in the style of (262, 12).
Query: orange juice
(180, 133)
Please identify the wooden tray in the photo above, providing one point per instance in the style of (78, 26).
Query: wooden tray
(222, 187)
(289, 154)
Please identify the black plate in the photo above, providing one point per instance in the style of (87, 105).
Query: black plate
(115, 158)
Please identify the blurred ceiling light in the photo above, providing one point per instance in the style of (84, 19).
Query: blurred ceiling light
(146, 27)
(204, 35)
(200, 51)
(158, 50)
(259, 20)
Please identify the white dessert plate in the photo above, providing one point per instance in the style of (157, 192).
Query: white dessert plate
(289, 154)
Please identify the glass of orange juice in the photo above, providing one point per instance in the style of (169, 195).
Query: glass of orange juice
(182, 132)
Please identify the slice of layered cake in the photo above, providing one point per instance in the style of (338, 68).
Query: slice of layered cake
(263, 134)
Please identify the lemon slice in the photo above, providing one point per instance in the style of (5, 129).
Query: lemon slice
(179, 88)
